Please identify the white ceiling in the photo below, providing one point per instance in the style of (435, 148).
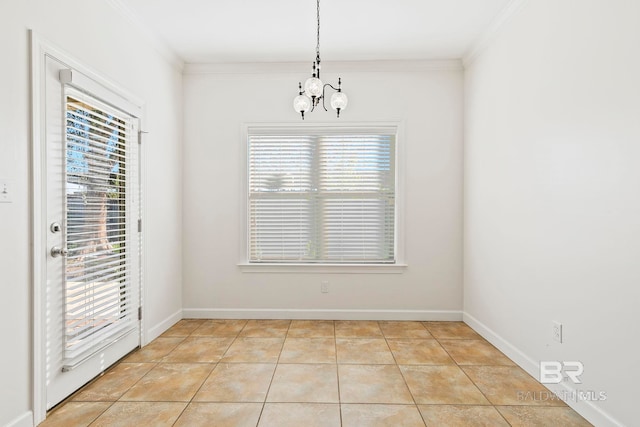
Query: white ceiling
(222, 31)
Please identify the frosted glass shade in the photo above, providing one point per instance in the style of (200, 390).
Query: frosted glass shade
(301, 103)
(313, 87)
(339, 100)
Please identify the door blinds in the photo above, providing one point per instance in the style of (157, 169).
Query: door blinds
(100, 304)
(322, 196)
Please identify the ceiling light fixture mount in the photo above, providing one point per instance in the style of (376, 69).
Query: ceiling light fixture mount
(309, 97)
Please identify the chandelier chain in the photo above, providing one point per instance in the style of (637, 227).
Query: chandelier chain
(318, 34)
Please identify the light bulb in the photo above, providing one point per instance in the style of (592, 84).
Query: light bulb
(301, 103)
(339, 100)
(313, 87)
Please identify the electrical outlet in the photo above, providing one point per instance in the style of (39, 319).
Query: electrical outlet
(557, 331)
(324, 286)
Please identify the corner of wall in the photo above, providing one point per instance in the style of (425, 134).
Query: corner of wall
(509, 11)
(155, 331)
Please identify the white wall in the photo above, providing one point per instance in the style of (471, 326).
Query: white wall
(103, 40)
(552, 195)
(429, 102)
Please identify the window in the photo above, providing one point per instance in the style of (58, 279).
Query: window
(321, 195)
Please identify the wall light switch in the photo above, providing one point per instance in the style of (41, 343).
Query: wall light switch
(6, 192)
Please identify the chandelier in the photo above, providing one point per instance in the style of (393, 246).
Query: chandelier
(309, 98)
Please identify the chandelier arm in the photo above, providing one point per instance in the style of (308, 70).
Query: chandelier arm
(331, 86)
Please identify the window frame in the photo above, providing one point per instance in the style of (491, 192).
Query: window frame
(398, 266)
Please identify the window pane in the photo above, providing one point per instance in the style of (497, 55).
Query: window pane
(281, 229)
(322, 197)
(358, 230)
(281, 165)
(355, 163)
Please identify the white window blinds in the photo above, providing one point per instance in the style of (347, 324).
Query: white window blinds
(321, 196)
(100, 300)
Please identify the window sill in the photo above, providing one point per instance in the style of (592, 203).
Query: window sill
(323, 268)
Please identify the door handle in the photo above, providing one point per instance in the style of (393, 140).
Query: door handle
(57, 251)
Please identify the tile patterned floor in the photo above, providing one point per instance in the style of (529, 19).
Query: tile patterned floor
(280, 373)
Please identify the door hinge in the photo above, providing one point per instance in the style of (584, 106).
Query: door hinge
(140, 313)
(140, 226)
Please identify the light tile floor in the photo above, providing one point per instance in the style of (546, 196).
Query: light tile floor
(305, 373)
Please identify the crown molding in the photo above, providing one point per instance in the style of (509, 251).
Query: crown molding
(487, 37)
(338, 66)
(158, 43)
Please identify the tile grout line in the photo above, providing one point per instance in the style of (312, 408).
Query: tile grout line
(100, 414)
(335, 346)
(275, 368)
(415, 404)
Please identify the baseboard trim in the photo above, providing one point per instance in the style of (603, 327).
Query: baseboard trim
(24, 420)
(589, 410)
(157, 330)
(320, 314)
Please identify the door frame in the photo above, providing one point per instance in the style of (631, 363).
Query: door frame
(40, 49)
